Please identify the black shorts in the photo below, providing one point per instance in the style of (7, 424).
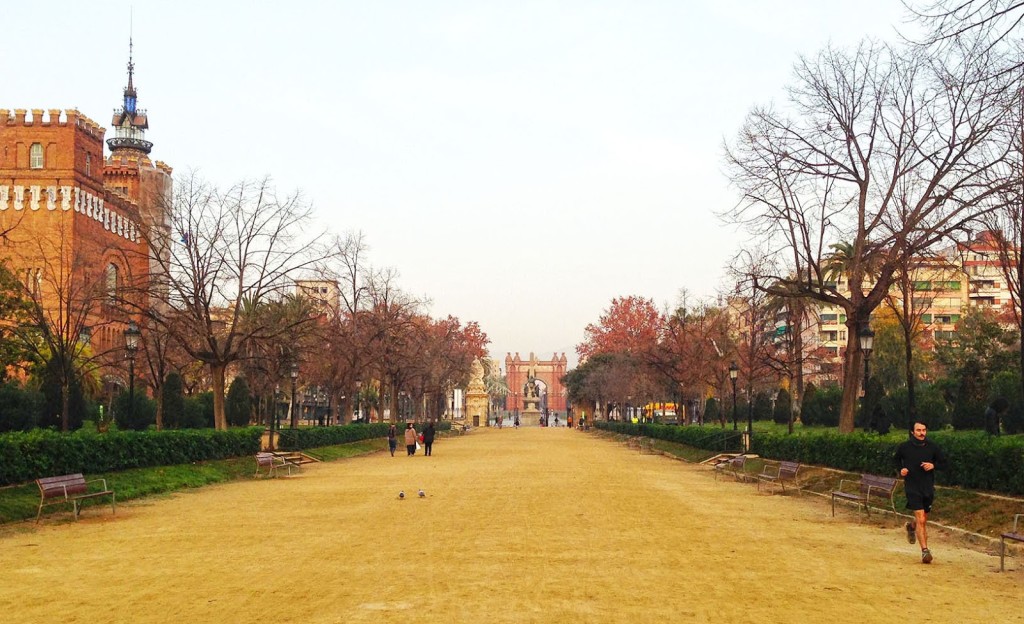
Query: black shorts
(917, 500)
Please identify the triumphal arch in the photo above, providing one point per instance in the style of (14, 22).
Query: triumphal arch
(548, 372)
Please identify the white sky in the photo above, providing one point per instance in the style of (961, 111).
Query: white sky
(519, 163)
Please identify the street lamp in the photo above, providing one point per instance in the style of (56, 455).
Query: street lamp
(734, 372)
(131, 344)
(291, 406)
(867, 341)
(359, 399)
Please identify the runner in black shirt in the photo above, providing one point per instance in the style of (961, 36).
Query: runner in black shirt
(916, 460)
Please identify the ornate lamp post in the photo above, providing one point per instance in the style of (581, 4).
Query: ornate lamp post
(291, 406)
(131, 345)
(867, 340)
(734, 372)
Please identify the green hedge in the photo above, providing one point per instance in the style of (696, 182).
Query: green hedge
(976, 460)
(43, 452)
(709, 438)
(313, 437)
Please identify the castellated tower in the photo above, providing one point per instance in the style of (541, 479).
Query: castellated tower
(80, 231)
(130, 173)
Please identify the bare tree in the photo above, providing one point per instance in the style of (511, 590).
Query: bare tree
(882, 148)
(245, 244)
(993, 21)
(67, 288)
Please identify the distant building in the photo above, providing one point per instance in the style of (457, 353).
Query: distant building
(325, 294)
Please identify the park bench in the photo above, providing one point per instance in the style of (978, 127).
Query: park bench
(1013, 535)
(861, 491)
(271, 462)
(734, 466)
(72, 488)
(779, 473)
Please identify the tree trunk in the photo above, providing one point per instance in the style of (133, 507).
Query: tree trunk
(217, 372)
(911, 382)
(65, 405)
(159, 397)
(851, 384)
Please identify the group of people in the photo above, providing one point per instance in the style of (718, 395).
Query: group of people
(413, 439)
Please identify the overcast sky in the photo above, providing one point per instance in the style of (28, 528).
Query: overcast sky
(519, 163)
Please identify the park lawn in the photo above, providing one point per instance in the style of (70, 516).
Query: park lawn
(21, 502)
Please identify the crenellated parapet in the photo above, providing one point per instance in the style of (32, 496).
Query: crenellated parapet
(20, 117)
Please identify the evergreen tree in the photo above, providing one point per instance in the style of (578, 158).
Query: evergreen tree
(783, 407)
(174, 401)
(238, 407)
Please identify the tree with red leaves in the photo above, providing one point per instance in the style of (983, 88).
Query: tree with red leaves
(631, 326)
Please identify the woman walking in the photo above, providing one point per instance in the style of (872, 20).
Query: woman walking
(410, 439)
(428, 438)
(392, 439)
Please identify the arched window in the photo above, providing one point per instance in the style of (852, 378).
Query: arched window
(111, 283)
(35, 156)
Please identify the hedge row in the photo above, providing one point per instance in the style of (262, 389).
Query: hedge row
(710, 438)
(313, 437)
(43, 452)
(976, 460)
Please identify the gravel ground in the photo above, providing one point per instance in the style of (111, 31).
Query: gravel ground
(528, 525)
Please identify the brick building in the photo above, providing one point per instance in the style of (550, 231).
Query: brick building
(80, 228)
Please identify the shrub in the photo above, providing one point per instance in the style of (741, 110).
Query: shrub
(174, 401)
(821, 406)
(708, 438)
(198, 411)
(783, 407)
(1006, 384)
(19, 407)
(712, 410)
(238, 405)
(135, 415)
(39, 453)
(762, 406)
(312, 437)
(969, 407)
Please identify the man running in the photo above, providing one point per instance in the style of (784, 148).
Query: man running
(916, 459)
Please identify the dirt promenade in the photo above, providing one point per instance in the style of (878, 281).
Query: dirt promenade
(529, 525)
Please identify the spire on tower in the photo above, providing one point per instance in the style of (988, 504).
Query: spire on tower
(130, 122)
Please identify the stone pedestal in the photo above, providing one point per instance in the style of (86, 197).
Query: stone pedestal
(477, 399)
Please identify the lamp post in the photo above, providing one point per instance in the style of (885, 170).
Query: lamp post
(867, 341)
(294, 417)
(359, 399)
(734, 372)
(131, 344)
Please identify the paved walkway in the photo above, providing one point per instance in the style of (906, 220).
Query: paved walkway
(528, 525)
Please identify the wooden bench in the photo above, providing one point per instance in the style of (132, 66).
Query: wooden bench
(779, 473)
(868, 486)
(271, 462)
(72, 488)
(734, 466)
(1013, 535)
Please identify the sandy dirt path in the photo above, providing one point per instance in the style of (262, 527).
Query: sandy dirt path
(529, 525)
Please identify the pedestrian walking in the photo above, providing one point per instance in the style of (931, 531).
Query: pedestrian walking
(410, 439)
(428, 438)
(916, 460)
(392, 439)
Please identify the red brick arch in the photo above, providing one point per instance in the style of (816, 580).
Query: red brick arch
(548, 371)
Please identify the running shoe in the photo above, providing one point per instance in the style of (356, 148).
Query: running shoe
(911, 532)
(926, 556)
